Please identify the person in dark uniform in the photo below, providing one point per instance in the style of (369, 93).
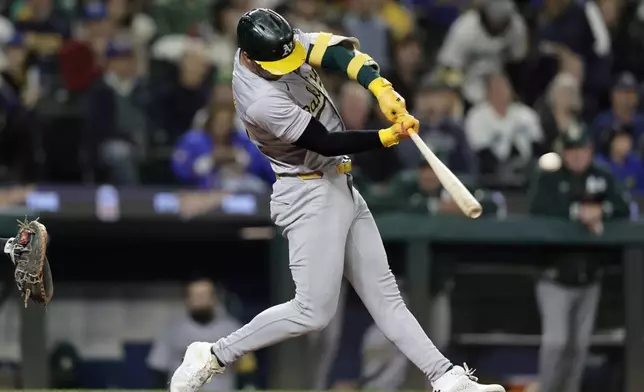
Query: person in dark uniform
(568, 290)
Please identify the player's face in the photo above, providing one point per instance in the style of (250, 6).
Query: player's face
(267, 75)
(258, 70)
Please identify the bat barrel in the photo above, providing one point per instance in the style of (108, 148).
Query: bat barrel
(461, 195)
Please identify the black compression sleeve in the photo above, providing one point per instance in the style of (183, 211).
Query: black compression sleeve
(318, 139)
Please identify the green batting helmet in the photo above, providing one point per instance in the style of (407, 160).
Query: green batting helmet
(268, 39)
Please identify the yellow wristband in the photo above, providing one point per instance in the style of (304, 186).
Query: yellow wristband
(387, 137)
(377, 86)
(356, 64)
(319, 48)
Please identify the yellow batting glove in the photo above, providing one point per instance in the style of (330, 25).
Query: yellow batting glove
(391, 103)
(394, 134)
(410, 122)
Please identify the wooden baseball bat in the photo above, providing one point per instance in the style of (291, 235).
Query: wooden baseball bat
(463, 198)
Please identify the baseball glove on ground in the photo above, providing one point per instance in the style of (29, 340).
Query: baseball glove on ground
(29, 255)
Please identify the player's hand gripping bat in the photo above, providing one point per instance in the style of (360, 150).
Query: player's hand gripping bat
(463, 198)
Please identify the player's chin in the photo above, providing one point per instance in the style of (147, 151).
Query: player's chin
(274, 77)
(269, 76)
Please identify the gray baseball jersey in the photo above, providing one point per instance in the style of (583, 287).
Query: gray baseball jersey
(329, 228)
(275, 113)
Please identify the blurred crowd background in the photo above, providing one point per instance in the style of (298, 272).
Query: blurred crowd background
(137, 93)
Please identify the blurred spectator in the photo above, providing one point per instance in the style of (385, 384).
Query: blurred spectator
(305, 15)
(482, 41)
(183, 88)
(626, 165)
(623, 113)
(206, 320)
(220, 157)
(356, 104)
(118, 11)
(222, 44)
(45, 28)
(611, 11)
(7, 29)
(628, 36)
(82, 58)
(424, 193)
(561, 107)
(504, 134)
(569, 289)
(362, 22)
(16, 142)
(7, 32)
(194, 45)
(573, 37)
(435, 105)
(179, 16)
(116, 116)
(438, 11)
(398, 18)
(97, 28)
(131, 23)
(408, 68)
(79, 66)
(14, 72)
(435, 17)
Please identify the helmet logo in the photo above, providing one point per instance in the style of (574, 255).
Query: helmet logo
(288, 48)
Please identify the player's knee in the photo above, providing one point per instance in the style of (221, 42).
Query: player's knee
(316, 316)
(319, 320)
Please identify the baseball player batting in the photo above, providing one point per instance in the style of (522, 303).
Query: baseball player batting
(289, 116)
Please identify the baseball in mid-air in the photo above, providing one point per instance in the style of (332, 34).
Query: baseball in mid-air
(550, 161)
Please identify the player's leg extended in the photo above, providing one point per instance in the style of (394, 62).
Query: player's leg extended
(315, 219)
(584, 315)
(367, 269)
(315, 216)
(555, 305)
